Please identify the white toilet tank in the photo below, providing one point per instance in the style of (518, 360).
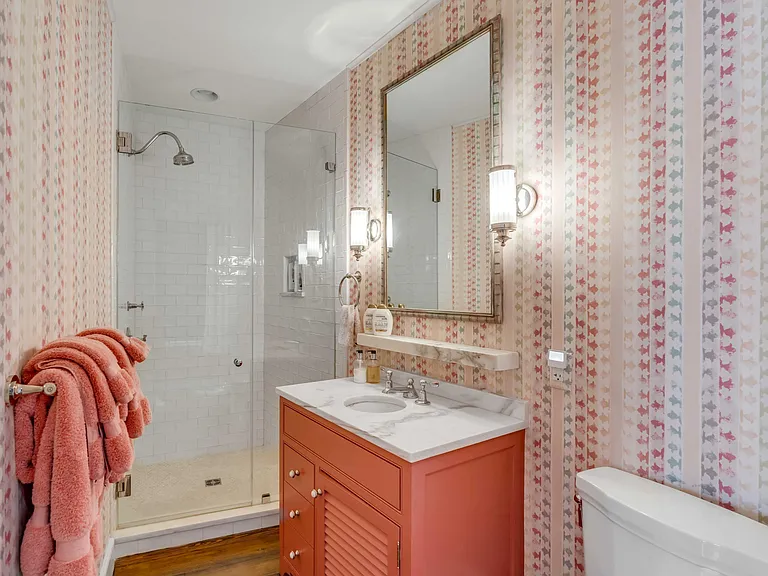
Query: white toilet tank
(636, 527)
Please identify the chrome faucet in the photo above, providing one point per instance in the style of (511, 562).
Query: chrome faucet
(422, 395)
(409, 392)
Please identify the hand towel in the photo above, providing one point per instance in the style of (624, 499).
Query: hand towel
(349, 325)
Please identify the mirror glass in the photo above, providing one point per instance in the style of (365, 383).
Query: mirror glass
(438, 148)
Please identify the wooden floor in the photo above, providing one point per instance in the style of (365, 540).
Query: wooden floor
(249, 554)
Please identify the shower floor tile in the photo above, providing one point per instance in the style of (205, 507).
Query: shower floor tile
(175, 489)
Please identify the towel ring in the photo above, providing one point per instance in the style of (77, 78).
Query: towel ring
(357, 277)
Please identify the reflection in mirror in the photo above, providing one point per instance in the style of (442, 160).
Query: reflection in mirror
(439, 140)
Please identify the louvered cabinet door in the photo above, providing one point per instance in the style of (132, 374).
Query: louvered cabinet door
(351, 538)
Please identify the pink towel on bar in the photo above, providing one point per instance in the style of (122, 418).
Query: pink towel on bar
(61, 444)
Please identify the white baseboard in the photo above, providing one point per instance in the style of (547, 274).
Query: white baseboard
(172, 533)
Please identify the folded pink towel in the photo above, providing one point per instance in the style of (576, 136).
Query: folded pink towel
(137, 349)
(118, 379)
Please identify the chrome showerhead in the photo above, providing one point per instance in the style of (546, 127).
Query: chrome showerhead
(183, 158)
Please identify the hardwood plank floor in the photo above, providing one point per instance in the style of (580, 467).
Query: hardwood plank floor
(254, 553)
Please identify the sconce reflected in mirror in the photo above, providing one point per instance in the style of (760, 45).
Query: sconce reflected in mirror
(313, 245)
(362, 230)
(302, 257)
(508, 201)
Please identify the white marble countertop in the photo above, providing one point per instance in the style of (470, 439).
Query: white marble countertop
(457, 417)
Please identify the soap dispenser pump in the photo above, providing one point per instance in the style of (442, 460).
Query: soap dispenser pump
(359, 369)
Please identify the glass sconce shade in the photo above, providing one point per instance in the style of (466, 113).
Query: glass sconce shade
(362, 230)
(503, 198)
(302, 254)
(390, 232)
(313, 244)
(508, 201)
(358, 228)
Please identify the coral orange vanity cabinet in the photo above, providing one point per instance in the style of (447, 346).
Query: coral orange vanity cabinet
(349, 507)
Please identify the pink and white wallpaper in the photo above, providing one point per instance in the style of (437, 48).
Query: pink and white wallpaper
(55, 196)
(470, 217)
(644, 126)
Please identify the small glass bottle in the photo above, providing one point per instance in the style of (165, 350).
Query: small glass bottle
(373, 372)
(359, 370)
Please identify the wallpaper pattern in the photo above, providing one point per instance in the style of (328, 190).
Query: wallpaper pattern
(643, 124)
(528, 273)
(55, 195)
(470, 216)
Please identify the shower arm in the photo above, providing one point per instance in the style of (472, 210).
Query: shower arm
(155, 137)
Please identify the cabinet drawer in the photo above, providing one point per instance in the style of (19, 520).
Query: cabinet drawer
(298, 472)
(304, 513)
(376, 474)
(303, 563)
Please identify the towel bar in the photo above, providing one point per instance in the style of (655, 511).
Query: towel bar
(14, 388)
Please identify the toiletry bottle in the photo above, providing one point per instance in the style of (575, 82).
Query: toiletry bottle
(368, 319)
(359, 369)
(382, 321)
(373, 372)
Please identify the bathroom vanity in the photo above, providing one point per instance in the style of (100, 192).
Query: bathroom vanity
(374, 484)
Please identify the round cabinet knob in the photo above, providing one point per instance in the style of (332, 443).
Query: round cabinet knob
(294, 513)
(317, 492)
(294, 473)
(293, 554)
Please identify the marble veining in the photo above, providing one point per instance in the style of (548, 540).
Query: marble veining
(475, 356)
(457, 416)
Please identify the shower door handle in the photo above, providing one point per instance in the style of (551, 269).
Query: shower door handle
(132, 305)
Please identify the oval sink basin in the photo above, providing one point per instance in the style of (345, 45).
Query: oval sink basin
(375, 404)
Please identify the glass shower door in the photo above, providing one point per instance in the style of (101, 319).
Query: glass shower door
(185, 251)
(412, 273)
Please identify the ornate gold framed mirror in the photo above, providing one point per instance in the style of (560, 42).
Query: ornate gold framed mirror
(441, 136)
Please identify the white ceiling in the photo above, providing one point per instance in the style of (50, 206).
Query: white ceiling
(454, 91)
(263, 57)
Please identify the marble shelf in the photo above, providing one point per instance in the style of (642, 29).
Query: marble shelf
(486, 358)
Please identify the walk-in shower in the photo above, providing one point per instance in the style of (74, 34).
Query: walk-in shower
(205, 249)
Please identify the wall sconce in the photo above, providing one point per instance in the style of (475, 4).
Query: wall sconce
(508, 201)
(390, 232)
(362, 230)
(313, 245)
(302, 255)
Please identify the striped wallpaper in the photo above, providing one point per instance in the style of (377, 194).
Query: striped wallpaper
(644, 126)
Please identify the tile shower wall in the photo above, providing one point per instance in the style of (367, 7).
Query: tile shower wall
(299, 333)
(191, 229)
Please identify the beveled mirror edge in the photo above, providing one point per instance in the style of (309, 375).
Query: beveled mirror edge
(493, 27)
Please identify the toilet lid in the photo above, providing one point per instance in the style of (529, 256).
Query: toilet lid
(693, 529)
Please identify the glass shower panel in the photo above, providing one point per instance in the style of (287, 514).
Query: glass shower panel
(299, 302)
(185, 249)
(412, 266)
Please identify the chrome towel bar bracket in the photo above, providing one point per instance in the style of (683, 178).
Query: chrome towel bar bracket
(14, 388)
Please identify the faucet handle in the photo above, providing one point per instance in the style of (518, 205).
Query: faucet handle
(388, 386)
(422, 399)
